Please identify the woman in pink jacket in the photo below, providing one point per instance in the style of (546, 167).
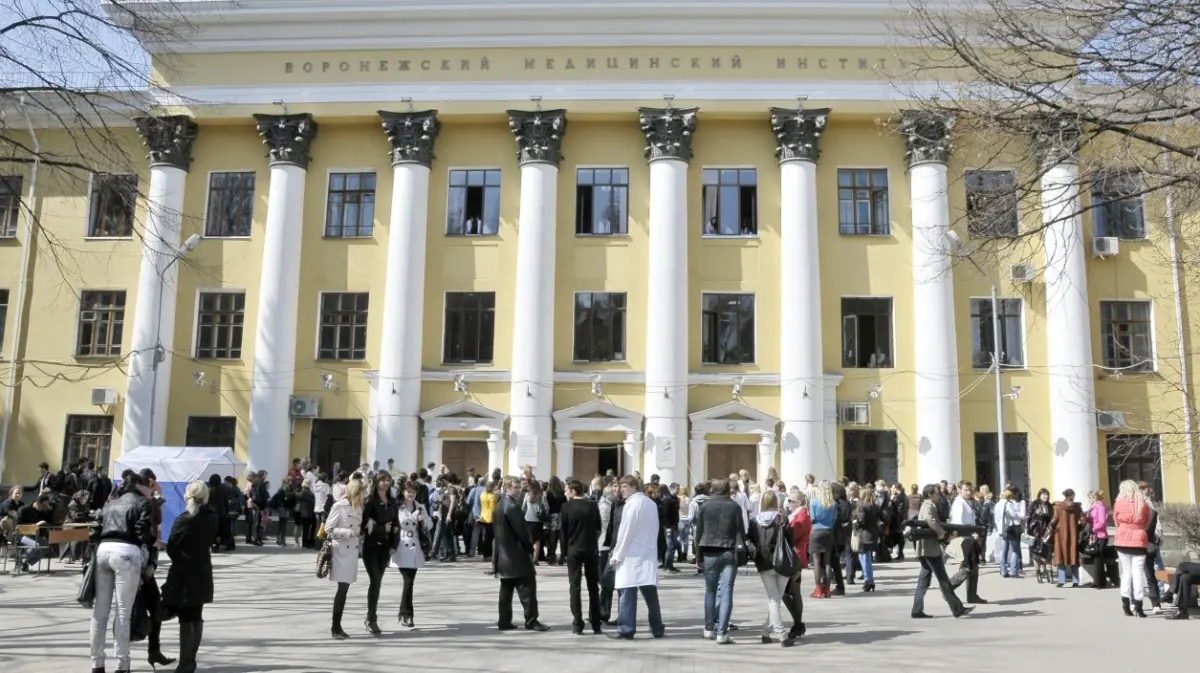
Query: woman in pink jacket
(1097, 516)
(1131, 512)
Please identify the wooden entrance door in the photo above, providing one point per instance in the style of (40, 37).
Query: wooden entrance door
(590, 460)
(458, 456)
(725, 459)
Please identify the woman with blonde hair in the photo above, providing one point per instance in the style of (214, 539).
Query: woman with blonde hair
(1131, 512)
(823, 512)
(189, 584)
(343, 527)
(769, 529)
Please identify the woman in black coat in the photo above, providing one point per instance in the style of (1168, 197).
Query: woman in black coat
(189, 582)
(867, 529)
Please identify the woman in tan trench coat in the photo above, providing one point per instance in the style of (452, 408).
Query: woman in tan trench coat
(1067, 514)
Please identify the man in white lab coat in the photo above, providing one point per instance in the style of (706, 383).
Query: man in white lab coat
(635, 560)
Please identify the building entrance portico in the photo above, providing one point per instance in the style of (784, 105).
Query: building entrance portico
(596, 416)
(465, 425)
(732, 418)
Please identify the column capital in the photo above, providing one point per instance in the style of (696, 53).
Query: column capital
(288, 137)
(668, 132)
(699, 436)
(1056, 139)
(766, 438)
(563, 436)
(168, 140)
(927, 136)
(632, 436)
(495, 435)
(539, 135)
(432, 435)
(797, 133)
(411, 135)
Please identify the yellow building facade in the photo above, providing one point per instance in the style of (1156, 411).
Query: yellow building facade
(582, 248)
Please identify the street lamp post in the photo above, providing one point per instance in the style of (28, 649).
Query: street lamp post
(187, 246)
(961, 249)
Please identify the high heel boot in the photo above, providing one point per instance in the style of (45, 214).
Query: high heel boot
(1125, 607)
(1137, 608)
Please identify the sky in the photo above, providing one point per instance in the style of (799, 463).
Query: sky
(30, 54)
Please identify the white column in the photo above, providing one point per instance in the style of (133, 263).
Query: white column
(288, 138)
(432, 448)
(412, 137)
(632, 446)
(766, 457)
(539, 143)
(169, 147)
(1068, 321)
(801, 371)
(564, 447)
(829, 468)
(668, 149)
(935, 361)
(495, 444)
(697, 454)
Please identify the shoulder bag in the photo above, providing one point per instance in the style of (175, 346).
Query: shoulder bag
(87, 585)
(784, 557)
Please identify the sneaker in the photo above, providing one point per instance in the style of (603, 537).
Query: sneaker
(1157, 610)
(724, 639)
(709, 635)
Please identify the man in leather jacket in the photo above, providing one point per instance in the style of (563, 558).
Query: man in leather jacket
(720, 522)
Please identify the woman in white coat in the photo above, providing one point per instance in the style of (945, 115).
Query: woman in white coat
(343, 527)
(635, 555)
(408, 556)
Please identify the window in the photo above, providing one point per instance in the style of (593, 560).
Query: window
(3, 316)
(1126, 341)
(343, 326)
(10, 205)
(220, 431)
(601, 201)
(863, 202)
(870, 455)
(88, 437)
(1135, 457)
(113, 199)
(219, 322)
(474, 208)
(728, 329)
(1012, 343)
(730, 202)
(351, 207)
(1118, 203)
(230, 205)
(992, 204)
(470, 327)
(867, 332)
(1016, 461)
(599, 326)
(101, 323)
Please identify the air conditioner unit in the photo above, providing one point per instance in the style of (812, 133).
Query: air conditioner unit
(1105, 246)
(104, 396)
(1110, 420)
(305, 407)
(854, 413)
(1022, 273)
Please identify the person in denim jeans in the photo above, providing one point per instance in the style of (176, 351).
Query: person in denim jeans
(1008, 518)
(720, 523)
(125, 533)
(634, 559)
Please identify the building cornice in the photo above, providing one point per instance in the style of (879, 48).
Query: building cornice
(307, 25)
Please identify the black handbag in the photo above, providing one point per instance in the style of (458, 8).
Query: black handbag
(744, 550)
(784, 558)
(87, 585)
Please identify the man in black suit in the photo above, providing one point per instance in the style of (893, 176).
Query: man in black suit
(581, 527)
(512, 561)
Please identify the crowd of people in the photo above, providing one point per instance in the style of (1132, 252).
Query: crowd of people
(614, 535)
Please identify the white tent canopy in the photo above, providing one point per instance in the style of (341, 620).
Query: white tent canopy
(175, 467)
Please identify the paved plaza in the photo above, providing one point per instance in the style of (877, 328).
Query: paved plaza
(272, 614)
